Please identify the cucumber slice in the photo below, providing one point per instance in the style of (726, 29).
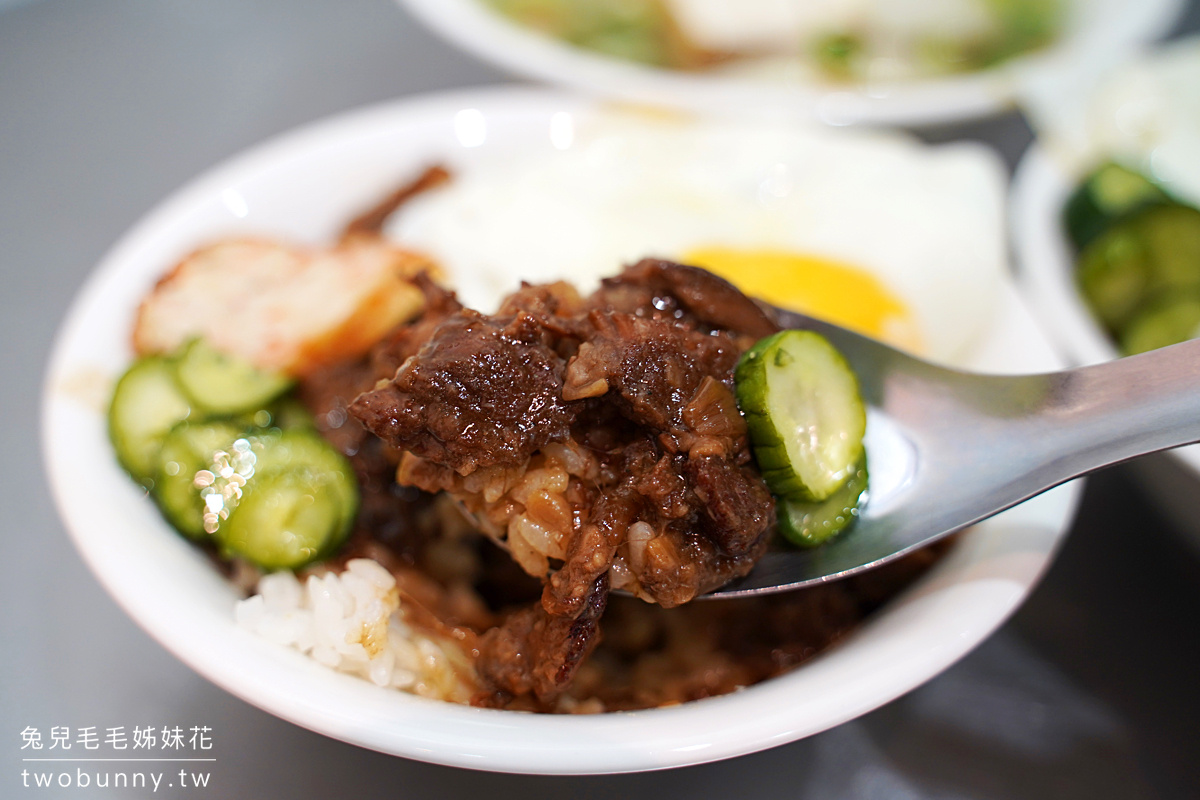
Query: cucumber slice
(804, 413)
(1170, 321)
(1114, 272)
(225, 384)
(1152, 252)
(284, 414)
(209, 434)
(1172, 239)
(147, 403)
(200, 472)
(812, 524)
(299, 505)
(1109, 192)
(303, 449)
(284, 521)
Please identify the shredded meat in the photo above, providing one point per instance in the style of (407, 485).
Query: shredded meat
(371, 221)
(598, 438)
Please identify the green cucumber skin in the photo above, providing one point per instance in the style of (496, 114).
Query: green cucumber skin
(273, 501)
(165, 454)
(306, 449)
(190, 447)
(297, 462)
(769, 444)
(311, 466)
(813, 524)
(1092, 208)
(137, 400)
(297, 459)
(1143, 261)
(1138, 251)
(225, 384)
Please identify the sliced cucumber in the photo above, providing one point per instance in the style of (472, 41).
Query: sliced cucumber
(1114, 272)
(1172, 238)
(200, 474)
(804, 413)
(1107, 193)
(147, 403)
(812, 524)
(302, 449)
(284, 521)
(1149, 253)
(1171, 320)
(298, 507)
(215, 441)
(225, 384)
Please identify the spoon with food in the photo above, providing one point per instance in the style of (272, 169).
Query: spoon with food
(653, 436)
(948, 449)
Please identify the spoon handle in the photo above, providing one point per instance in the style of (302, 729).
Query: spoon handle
(983, 443)
(1107, 413)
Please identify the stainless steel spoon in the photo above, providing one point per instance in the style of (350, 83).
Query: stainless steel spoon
(948, 449)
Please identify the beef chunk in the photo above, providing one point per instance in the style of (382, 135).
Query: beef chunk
(655, 365)
(482, 392)
(597, 438)
(538, 653)
(685, 293)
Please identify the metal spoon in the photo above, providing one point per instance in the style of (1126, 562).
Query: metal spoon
(948, 449)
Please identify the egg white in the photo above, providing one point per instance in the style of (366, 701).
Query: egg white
(925, 221)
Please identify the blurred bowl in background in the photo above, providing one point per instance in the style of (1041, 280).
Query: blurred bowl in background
(1046, 275)
(1093, 33)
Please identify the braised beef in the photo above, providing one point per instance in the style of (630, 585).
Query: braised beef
(537, 653)
(686, 293)
(482, 392)
(634, 386)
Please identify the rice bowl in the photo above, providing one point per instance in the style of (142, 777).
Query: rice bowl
(173, 592)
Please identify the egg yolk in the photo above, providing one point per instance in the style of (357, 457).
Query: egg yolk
(821, 287)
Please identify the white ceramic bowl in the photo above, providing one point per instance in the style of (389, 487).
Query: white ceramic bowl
(1040, 190)
(1046, 276)
(303, 186)
(1096, 32)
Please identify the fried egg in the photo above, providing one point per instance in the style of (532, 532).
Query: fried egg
(871, 230)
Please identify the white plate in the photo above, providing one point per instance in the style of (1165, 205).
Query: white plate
(1046, 276)
(173, 592)
(1097, 32)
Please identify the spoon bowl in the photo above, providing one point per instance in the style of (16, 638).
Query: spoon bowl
(948, 448)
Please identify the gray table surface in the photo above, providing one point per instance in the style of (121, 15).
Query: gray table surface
(1090, 691)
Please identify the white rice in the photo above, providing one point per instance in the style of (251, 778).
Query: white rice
(354, 622)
